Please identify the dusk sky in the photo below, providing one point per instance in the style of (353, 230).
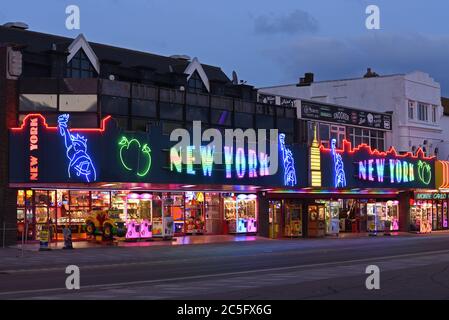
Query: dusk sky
(266, 42)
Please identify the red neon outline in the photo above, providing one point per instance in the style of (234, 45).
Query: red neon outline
(347, 148)
(44, 120)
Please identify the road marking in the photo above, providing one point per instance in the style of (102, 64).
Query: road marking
(110, 286)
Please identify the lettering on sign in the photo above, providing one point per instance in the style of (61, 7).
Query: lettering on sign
(34, 146)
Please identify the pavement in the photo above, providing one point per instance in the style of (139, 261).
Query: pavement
(412, 267)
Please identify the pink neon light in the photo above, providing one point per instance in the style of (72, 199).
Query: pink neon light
(347, 148)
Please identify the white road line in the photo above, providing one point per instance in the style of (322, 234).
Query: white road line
(225, 274)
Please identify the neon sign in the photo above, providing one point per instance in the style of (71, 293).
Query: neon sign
(289, 163)
(379, 168)
(315, 162)
(339, 168)
(34, 139)
(76, 151)
(143, 167)
(244, 165)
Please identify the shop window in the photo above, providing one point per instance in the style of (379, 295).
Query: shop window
(80, 66)
(240, 213)
(195, 221)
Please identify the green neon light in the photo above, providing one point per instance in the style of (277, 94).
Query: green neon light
(125, 144)
(424, 172)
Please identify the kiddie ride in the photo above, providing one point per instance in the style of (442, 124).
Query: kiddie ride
(108, 224)
(105, 223)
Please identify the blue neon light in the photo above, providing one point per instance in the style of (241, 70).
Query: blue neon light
(289, 163)
(80, 162)
(339, 168)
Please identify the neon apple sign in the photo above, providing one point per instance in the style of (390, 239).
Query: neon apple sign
(125, 145)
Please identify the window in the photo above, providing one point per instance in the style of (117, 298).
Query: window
(78, 103)
(80, 66)
(374, 138)
(38, 102)
(339, 134)
(434, 114)
(114, 105)
(422, 112)
(195, 84)
(243, 120)
(144, 108)
(197, 114)
(171, 111)
(411, 110)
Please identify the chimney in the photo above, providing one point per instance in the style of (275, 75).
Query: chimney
(307, 80)
(370, 74)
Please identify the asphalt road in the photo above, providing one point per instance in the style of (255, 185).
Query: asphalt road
(411, 267)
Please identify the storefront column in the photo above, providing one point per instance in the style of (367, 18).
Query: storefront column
(8, 118)
(404, 211)
(263, 215)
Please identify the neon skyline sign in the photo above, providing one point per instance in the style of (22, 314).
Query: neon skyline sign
(384, 168)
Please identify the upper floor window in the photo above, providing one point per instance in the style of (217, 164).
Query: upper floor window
(434, 114)
(423, 112)
(195, 84)
(80, 66)
(411, 110)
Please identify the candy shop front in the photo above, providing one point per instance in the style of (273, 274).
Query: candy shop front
(133, 185)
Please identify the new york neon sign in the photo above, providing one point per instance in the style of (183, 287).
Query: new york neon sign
(34, 146)
(384, 167)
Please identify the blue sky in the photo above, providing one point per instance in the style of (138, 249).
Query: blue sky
(266, 42)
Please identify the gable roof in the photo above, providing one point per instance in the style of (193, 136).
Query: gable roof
(37, 42)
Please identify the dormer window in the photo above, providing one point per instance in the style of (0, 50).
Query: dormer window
(80, 66)
(195, 84)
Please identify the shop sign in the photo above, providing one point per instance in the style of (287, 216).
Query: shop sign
(431, 196)
(63, 154)
(34, 146)
(363, 167)
(343, 115)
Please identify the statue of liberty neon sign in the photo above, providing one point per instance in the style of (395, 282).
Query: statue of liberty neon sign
(76, 150)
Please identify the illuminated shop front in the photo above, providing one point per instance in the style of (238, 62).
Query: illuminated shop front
(136, 186)
(429, 209)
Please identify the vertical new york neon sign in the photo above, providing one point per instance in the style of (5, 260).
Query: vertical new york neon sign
(34, 146)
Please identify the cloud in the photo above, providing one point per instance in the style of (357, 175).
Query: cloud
(297, 21)
(331, 58)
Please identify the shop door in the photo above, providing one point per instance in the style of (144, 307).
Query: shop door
(292, 218)
(214, 223)
(274, 216)
(316, 224)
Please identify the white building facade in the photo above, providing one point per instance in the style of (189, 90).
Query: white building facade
(414, 100)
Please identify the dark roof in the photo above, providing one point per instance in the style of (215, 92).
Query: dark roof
(37, 42)
(445, 104)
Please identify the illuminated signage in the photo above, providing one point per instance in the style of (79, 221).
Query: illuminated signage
(431, 196)
(80, 163)
(34, 146)
(339, 167)
(132, 149)
(289, 163)
(315, 162)
(250, 165)
(362, 166)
